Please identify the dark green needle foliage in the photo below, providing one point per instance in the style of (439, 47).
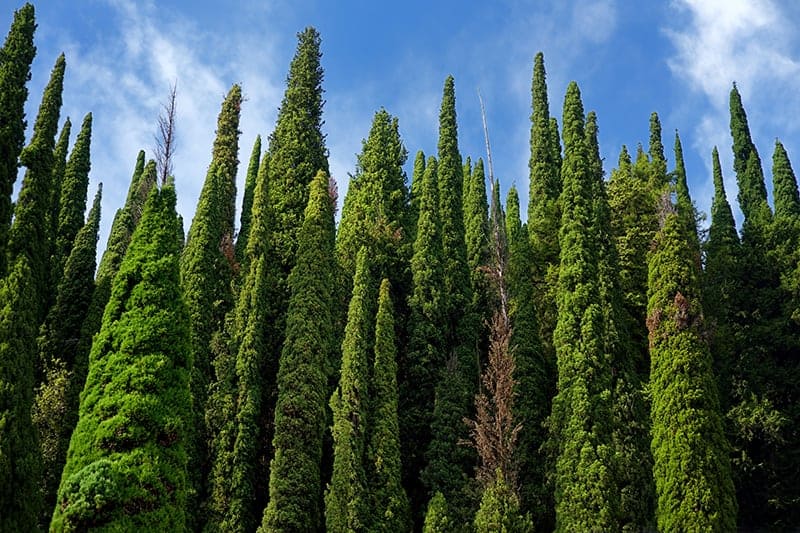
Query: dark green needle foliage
(692, 470)
(534, 374)
(425, 354)
(16, 57)
(72, 204)
(786, 232)
(29, 235)
(208, 264)
(297, 146)
(580, 423)
(684, 204)
(55, 411)
(416, 191)
(476, 221)
(20, 459)
(784, 183)
(346, 500)
(389, 508)
(126, 465)
(295, 487)
(247, 201)
(59, 168)
(499, 511)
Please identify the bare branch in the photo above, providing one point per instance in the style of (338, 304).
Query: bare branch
(165, 138)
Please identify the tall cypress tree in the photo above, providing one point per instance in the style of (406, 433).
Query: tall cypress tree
(207, 265)
(414, 196)
(692, 470)
(346, 500)
(59, 168)
(247, 201)
(476, 221)
(295, 487)
(533, 374)
(28, 235)
(126, 466)
(297, 146)
(784, 185)
(425, 354)
(684, 200)
(389, 508)
(15, 71)
(55, 411)
(72, 204)
(499, 511)
(786, 228)
(580, 423)
(20, 458)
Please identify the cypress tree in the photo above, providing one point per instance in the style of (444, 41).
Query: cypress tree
(692, 470)
(655, 149)
(499, 511)
(580, 423)
(15, 71)
(240, 399)
(747, 164)
(346, 500)
(784, 185)
(126, 465)
(29, 235)
(295, 487)
(297, 146)
(247, 201)
(55, 411)
(414, 198)
(684, 200)
(436, 517)
(20, 458)
(389, 507)
(534, 373)
(207, 269)
(786, 227)
(72, 204)
(476, 221)
(59, 168)
(425, 354)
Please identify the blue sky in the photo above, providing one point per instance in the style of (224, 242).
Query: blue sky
(676, 57)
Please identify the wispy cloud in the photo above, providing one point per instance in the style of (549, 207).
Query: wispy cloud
(751, 42)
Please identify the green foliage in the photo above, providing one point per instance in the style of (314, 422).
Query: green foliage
(207, 269)
(499, 511)
(20, 460)
(251, 177)
(346, 500)
(580, 423)
(295, 487)
(16, 57)
(126, 466)
(297, 146)
(389, 508)
(436, 518)
(29, 235)
(476, 221)
(784, 185)
(692, 470)
(658, 174)
(535, 375)
(416, 191)
(59, 167)
(55, 410)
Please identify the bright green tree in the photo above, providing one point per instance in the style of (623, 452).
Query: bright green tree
(72, 204)
(389, 508)
(346, 500)
(15, 71)
(55, 410)
(126, 465)
(580, 423)
(499, 511)
(20, 458)
(533, 372)
(250, 180)
(691, 470)
(29, 235)
(295, 487)
(436, 517)
(207, 270)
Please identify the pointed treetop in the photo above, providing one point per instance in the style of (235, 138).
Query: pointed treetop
(247, 201)
(721, 214)
(784, 183)
(656, 150)
(681, 184)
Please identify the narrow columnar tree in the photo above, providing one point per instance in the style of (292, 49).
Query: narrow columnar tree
(250, 180)
(499, 511)
(476, 221)
(20, 458)
(346, 500)
(297, 147)
(295, 487)
(786, 228)
(533, 374)
(55, 411)
(126, 465)
(784, 184)
(580, 422)
(60, 154)
(692, 469)
(684, 204)
(15, 71)
(72, 204)
(29, 235)
(425, 354)
(437, 519)
(389, 508)
(658, 161)
(207, 269)
(414, 195)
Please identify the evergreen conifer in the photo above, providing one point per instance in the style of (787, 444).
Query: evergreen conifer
(251, 178)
